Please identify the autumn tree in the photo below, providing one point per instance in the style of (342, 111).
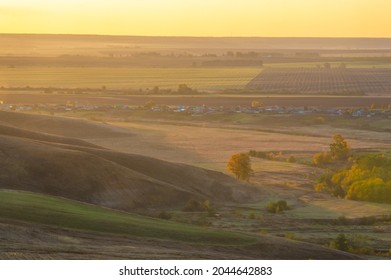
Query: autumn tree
(256, 104)
(240, 165)
(339, 149)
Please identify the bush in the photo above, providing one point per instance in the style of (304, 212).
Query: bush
(264, 155)
(340, 243)
(164, 215)
(321, 159)
(326, 183)
(277, 207)
(194, 206)
(356, 244)
(291, 159)
(290, 235)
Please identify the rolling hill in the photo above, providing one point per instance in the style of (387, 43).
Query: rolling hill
(75, 169)
(64, 198)
(68, 127)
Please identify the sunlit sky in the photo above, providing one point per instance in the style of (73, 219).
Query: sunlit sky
(270, 18)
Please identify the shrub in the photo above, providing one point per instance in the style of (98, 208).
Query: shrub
(340, 243)
(327, 184)
(291, 159)
(290, 235)
(164, 215)
(194, 206)
(357, 244)
(264, 155)
(277, 207)
(321, 159)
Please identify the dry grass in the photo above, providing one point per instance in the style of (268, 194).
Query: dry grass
(210, 147)
(207, 144)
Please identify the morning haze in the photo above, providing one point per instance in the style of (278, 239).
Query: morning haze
(277, 18)
(195, 129)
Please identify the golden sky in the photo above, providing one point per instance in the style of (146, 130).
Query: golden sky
(274, 18)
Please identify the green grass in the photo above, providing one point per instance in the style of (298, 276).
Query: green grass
(59, 212)
(127, 78)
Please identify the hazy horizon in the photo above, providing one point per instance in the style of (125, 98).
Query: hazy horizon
(218, 18)
(191, 36)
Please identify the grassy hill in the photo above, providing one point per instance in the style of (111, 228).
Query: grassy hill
(60, 212)
(78, 230)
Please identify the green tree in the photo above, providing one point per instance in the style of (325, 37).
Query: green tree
(339, 149)
(240, 165)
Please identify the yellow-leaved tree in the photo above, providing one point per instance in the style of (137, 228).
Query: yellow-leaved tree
(240, 166)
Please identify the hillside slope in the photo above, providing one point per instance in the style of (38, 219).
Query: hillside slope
(61, 126)
(78, 170)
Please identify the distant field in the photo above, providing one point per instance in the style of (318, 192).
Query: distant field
(386, 63)
(127, 78)
(52, 211)
(368, 81)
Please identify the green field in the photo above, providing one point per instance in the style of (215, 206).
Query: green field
(59, 212)
(127, 78)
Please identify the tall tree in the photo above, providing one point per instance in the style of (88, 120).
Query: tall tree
(339, 149)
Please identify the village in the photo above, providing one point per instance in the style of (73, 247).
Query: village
(381, 112)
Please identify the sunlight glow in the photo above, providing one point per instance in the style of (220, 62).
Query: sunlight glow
(288, 18)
